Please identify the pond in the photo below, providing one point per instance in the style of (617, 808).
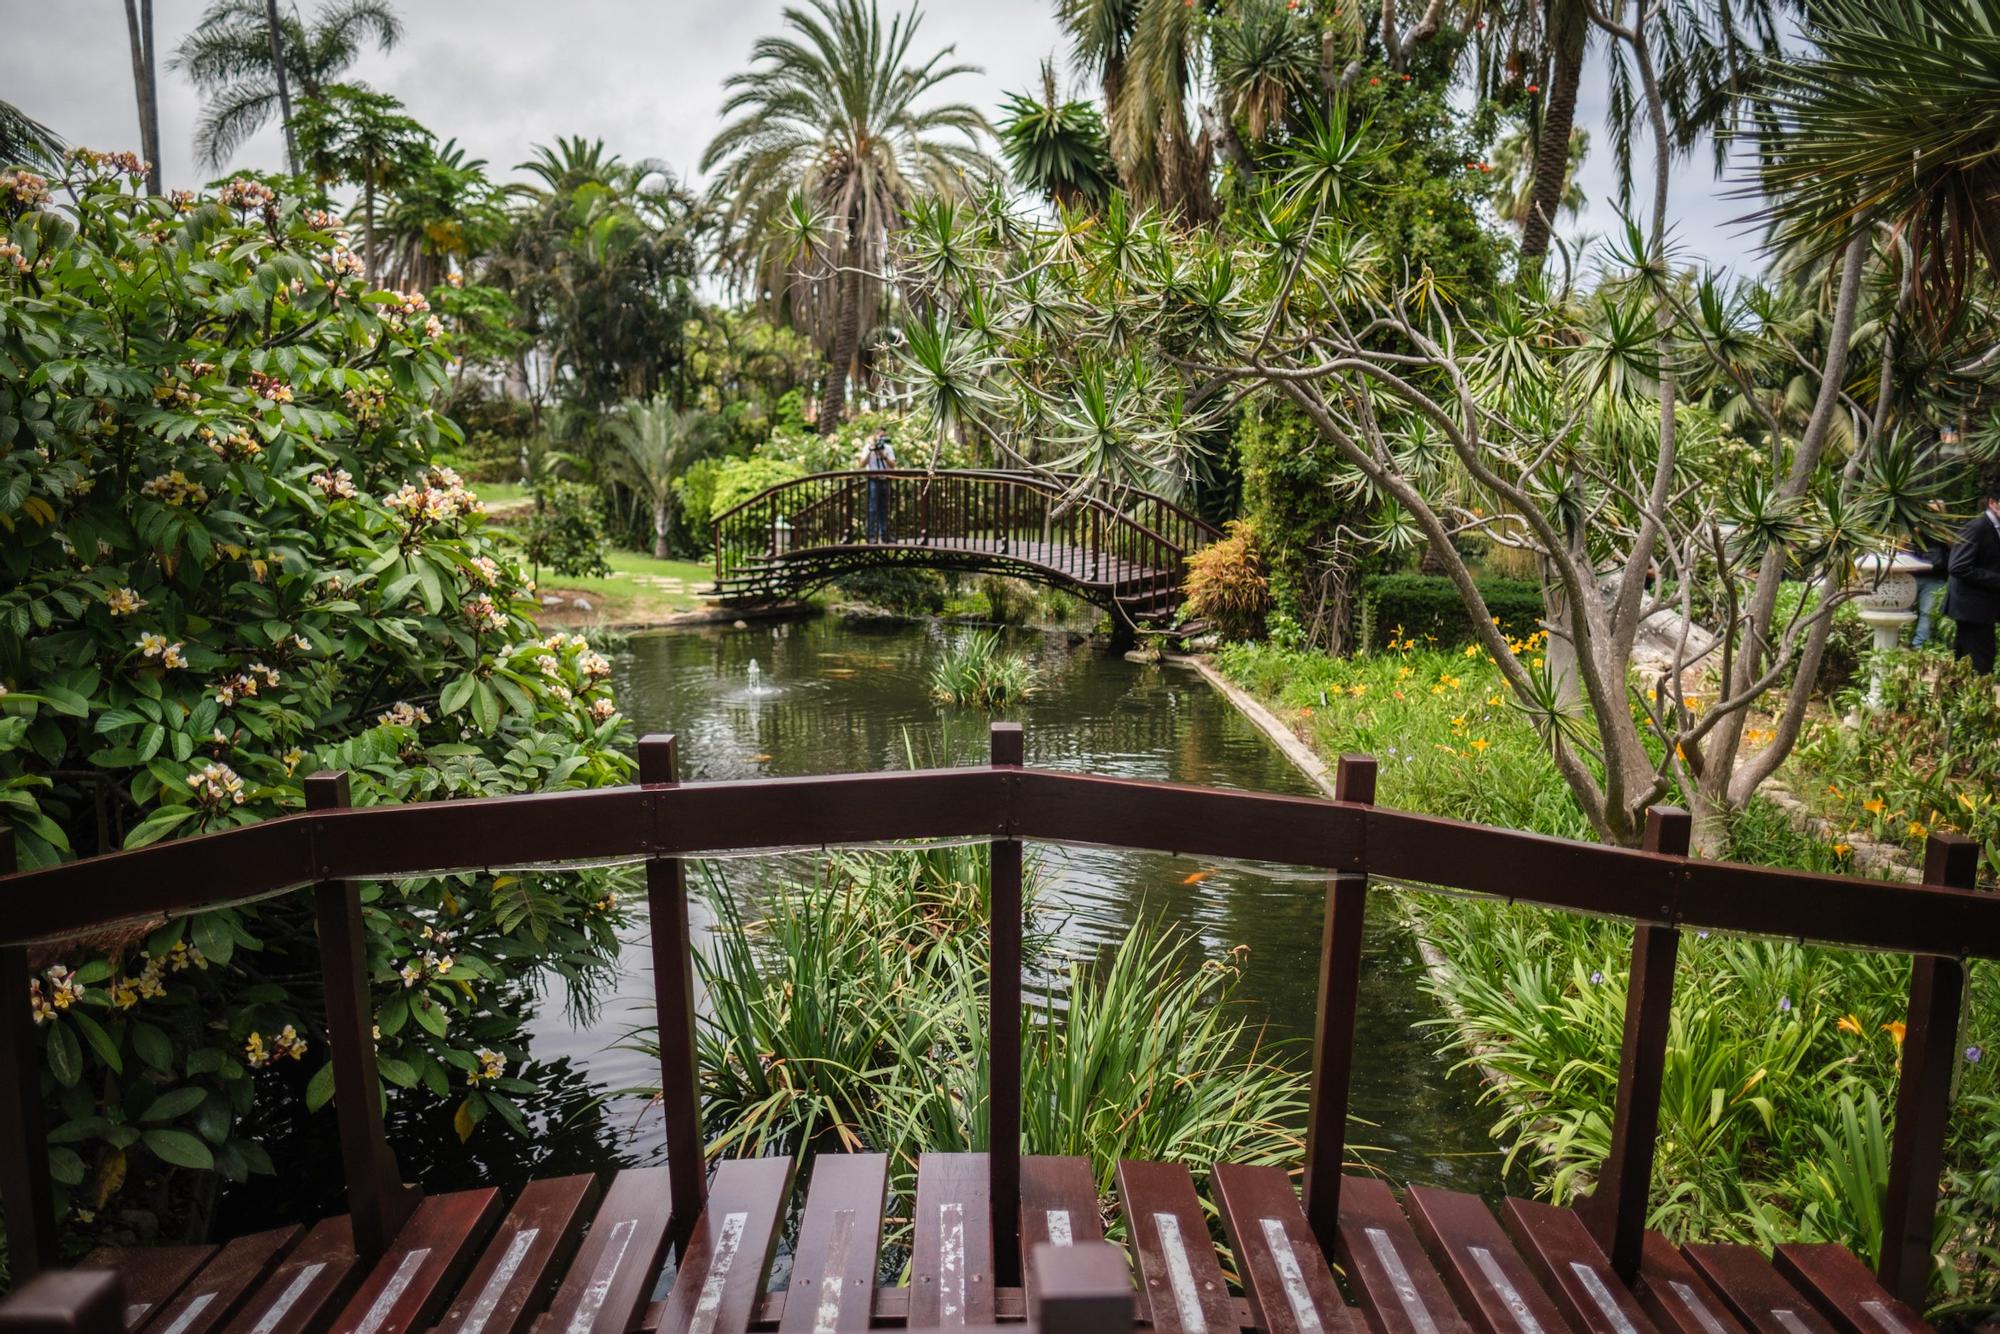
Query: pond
(823, 696)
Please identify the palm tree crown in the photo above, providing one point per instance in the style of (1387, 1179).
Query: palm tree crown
(228, 55)
(827, 145)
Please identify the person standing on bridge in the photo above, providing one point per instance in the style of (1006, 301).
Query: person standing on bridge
(878, 456)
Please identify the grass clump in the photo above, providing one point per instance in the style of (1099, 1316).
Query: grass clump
(848, 1013)
(977, 672)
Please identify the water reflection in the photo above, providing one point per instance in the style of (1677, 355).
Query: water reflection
(809, 697)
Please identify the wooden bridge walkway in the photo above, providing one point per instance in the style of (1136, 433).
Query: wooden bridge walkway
(1126, 552)
(996, 1238)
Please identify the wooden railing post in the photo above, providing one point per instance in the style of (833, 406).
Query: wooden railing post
(1616, 1210)
(26, 1195)
(378, 1204)
(673, 999)
(79, 1301)
(1923, 1093)
(1081, 1289)
(1333, 1030)
(1003, 1023)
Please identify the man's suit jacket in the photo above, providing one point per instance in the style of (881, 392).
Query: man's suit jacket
(1974, 592)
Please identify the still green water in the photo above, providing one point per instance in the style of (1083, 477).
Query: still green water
(830, 697)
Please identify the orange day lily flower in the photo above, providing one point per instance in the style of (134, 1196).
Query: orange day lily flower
(1895, 1028)
(1850, 1024)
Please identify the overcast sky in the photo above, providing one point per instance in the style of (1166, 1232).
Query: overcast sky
(644, 75)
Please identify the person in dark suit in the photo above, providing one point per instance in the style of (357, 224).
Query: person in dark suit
(1973, 598)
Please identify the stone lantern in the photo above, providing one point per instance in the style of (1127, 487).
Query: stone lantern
(1885, 595)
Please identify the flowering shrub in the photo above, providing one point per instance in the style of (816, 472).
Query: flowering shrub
(1926, 760)
(229, 562)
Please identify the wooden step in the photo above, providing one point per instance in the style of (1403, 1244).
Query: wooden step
(304, 1293)
(833, 1264)
(619, 1259)
(210, 1297)
(1285, 1275)
(1573, 1268)
(149, 1275)
(951, 1248)
(1495, 1288)
(1753, 1291)
(722, 1268)
(410, 1284)
(1390, 1275)
(526, 1258)
(1845, 1292)
(1182, 1284)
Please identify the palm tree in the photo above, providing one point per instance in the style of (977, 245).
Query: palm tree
(1056, 148)
(443, 208)
(1514, 175)
(25, 141)
(233, 59)
(1894, 122)
(652, 443)
(828, 145)
(145, 86)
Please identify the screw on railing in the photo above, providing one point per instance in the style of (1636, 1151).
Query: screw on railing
(378, 1203)
(1616, 1210)
(82, 1301)
(1003, 1022)
(673, 999)
(1333, 1030)
(26, 1195)
(1923, 1092)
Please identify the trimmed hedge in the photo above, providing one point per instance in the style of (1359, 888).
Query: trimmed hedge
(1428, 608)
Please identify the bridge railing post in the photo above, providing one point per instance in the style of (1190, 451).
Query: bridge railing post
(1923, 1092)
(378, 1203)
(673, 999)
(1003, 1025)
(1343, 926)
(1616, 1209)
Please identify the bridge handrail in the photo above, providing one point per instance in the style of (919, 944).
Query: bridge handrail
(1033, 481)
(664, 821)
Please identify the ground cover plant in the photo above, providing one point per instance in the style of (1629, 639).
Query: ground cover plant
(229, 562)
(1782, 1060)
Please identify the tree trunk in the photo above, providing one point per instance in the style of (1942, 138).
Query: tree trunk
(660, 515)
(139, 29)
(284, 87)
(368, 219)
(846, 341)
(1552, 149)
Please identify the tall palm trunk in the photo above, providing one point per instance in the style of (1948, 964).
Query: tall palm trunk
(139, 28)
(846, 341)
(661, 514)
(1552, 149)
(284, 88)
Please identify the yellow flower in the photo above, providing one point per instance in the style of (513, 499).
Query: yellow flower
(1480, 743)
(1850, 1023)
(1832, 791)
(1495, 700)
(1458, 721)
(1472, 650)
(1967, 802)
(1894, 1028)
(1358, 689)
(1842, 849)
(1691, 703)
(1915, 829)
(1874, 805)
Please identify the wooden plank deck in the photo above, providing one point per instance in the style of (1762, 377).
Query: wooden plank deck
(1434, 1262)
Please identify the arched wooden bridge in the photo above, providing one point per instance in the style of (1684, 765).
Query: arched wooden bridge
(1127, 553)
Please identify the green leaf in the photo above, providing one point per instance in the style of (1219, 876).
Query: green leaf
(159, 824)
(213, 937)
(65, 1166)
(430, 1016)
(157, 1050)
(65, 1055)
(179, 1148)
(486, 707)
(400, 1073)
(100, 1042)
(173, 1103)
(319, 1091)
(457, 693)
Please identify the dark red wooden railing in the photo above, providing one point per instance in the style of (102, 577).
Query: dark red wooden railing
(1126, 548)
(330, 845)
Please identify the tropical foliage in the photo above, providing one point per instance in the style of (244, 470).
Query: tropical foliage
(834, 136)
(231, 562)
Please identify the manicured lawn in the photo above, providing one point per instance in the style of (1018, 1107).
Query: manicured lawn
(639, 588)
